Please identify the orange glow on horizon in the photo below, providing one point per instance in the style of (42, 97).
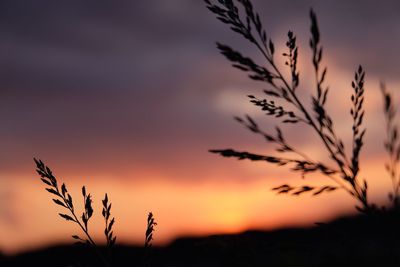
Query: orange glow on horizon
(180, 209)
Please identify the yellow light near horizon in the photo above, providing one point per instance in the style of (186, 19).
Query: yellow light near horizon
(180, 208)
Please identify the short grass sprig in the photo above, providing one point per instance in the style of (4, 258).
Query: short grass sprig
(108, 231)
(64, 199)
(151, 223)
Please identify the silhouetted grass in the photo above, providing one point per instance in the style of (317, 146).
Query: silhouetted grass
(281, 100)
(149, 238)
(65, 200)
(353, 241)
(392, 146)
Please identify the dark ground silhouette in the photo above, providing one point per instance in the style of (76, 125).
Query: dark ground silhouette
(352, 241)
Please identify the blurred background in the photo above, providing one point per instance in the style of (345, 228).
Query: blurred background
(126, 97)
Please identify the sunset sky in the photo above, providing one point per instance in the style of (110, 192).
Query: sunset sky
(127, 97)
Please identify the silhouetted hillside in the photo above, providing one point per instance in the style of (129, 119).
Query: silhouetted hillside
(357, 241)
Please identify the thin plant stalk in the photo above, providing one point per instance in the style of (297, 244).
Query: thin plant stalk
(244, 20)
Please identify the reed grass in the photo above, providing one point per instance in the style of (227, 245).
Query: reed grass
(281, 100)
(63, 199)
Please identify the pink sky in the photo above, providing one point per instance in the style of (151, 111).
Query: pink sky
(127, 99)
